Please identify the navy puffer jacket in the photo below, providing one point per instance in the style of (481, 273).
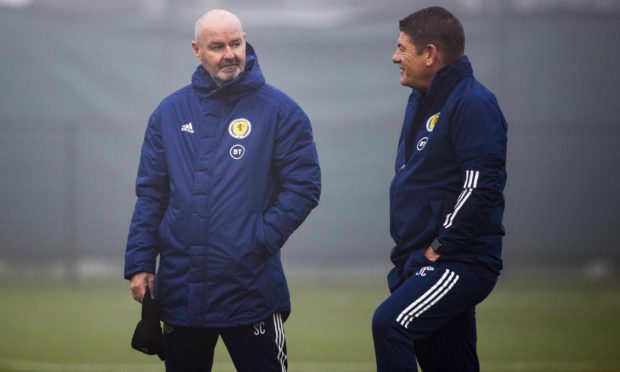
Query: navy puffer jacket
(225, 176)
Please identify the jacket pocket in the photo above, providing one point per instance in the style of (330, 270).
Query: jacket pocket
(262, 238)
(259, 237)
(415, 261)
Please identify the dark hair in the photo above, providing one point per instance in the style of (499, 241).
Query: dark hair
(435, 25)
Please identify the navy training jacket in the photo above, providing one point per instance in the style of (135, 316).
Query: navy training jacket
(225, 176)
(450, 175)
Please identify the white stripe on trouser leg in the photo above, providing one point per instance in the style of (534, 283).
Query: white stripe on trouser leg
(421, 298)
(439, 290)
(283, 342)
(456, 279)
(280, 340)
(277, 321)
(436, 293)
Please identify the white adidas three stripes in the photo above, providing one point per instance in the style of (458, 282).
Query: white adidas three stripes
(449, 278)
(471, 182)
(429, 298)
(279, 331)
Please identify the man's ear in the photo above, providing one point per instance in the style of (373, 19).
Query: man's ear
(196, 49)
(432, 55)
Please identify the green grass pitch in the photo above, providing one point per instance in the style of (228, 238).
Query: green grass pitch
(527, 324)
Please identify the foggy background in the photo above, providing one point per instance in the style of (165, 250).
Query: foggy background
(79, 79)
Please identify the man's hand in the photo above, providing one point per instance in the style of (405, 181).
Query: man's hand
(430, 254)
(138, 284)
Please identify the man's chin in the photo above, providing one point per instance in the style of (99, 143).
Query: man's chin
(225, 76)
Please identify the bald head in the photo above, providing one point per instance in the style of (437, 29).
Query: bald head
(219, 44)
(215, 20)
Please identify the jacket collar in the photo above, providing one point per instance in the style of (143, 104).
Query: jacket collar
(446, 78)
(422, 104)
(248, 81)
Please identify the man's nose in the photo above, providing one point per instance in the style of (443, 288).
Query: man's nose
(395, 58)
(228, 53)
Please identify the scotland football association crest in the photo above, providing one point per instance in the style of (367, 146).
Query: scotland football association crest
(240, 128)
(430, 123)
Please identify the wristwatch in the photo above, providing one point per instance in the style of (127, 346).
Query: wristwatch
(436, 246)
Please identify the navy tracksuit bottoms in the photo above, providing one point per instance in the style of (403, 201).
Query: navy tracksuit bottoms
(258, 347)
(431, 317)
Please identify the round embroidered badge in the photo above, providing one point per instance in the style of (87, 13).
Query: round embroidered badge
(240, 128)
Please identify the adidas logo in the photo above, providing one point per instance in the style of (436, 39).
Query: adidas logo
(187, 128)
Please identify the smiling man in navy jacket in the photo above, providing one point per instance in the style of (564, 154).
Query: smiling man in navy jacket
(446, 203)
(228, 171)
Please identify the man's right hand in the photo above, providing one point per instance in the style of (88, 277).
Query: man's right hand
(430, 254)
(138, 284)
